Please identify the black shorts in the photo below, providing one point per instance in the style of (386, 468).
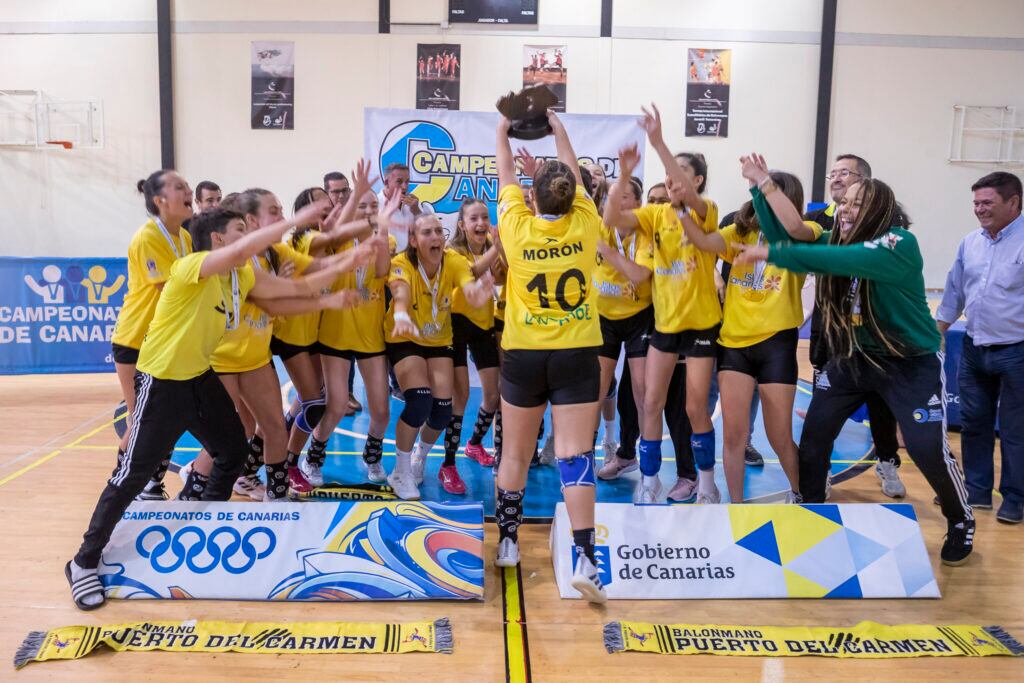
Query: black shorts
(284, 350)
(772, 361)
(325, 350)
(532, 377)
(499, 325)
(688, 343)
(124, 355)
(402, 350)
(482, 344)
(633, 332)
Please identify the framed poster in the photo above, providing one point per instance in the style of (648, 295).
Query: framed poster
(545, 65)
(438, 72)
(707, 92)
(273, 85)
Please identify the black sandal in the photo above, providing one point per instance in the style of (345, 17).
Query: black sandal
(87, 585)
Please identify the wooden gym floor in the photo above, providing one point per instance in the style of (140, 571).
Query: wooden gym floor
(57, 449)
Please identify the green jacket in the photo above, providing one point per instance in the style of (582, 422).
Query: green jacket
(894, 266)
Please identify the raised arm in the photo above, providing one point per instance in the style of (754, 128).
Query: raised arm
(755, 170)
(563, 146)
(651, 123)
(705, 241)
(614, 215)
(222, 260)
(503, 155)
(346, 298)
(270, 286)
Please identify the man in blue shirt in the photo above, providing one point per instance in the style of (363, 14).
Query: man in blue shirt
(986, 283)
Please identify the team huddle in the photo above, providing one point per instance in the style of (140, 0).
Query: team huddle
(577, 271)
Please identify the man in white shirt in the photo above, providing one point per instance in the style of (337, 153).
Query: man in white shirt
(396, 177)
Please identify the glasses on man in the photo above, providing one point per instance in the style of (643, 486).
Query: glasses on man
(343, 192)
(841, 175)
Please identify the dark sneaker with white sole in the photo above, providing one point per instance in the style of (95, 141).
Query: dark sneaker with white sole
(959, 543)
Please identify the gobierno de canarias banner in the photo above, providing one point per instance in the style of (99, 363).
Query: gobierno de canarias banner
(331, 551)
(752, 551)
(58, 314)
(450, 154)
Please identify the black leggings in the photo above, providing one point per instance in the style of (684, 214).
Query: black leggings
(675, 415)
(164, 410)
(914, 391)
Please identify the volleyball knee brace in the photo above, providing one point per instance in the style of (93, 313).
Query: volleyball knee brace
(417, 406)
(577, 470)
(310, 413)
(440, 414)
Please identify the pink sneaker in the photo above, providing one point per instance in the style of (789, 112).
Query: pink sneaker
(297, 482)
(451, 481)
(480, 454)
(683, 490)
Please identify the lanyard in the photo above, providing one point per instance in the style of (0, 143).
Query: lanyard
(233, 317)
(170, 240)
(256, 263)
(360, 272)
(759, 267)
(632, 247)
(432, 288)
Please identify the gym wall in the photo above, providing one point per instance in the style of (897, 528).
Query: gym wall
(899, 68)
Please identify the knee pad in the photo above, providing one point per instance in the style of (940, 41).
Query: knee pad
(417, 406)
(577, 470)
(650, 457)
(310, 413)
(440, 414)
(703, 446)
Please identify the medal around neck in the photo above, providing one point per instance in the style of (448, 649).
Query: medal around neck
(528, 112)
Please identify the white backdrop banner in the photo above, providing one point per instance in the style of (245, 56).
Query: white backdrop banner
(450, 154)
(752, 551)
(297, 551)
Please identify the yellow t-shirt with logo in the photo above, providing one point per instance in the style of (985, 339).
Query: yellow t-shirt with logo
(360, 328)
(455, 272)
(483, 316)
(149, 262)
(299, 330)
(760, 299)
(549, 304)
(247, 347)
(618, 297)
(191, 318)
(684, 291)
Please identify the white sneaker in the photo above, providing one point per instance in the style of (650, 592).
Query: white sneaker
(418, 460)
(402, 483)
(508, 553)
(250, 486)
(889, 477)
(712, 498)
(683, 490)
(793, 498)
(547, 454)
(828, 486)
(314, 474)
(375, 472)
(587, 581)
(183, 472)
(609, 447)
(614, 467)
(647, 493)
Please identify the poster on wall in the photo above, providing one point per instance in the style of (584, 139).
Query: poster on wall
(707, 92)
(545, 65)
(492, 11)
(273, 85)
(438, 70)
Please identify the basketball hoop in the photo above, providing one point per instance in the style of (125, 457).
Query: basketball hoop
(66, 144)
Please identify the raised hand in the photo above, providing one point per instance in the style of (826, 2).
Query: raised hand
(361, 180)
(754, 168)
(528, 162)
(555, 122)
(629, 158)
(345, 298)
(651, 123)
(313, 213)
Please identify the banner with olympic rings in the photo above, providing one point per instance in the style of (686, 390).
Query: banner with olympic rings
(331, 551)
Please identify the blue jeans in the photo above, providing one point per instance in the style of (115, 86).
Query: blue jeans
(992, 384)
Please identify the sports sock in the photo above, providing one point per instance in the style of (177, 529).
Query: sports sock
(403, 462)
(497, 433)
(483, 423)
(583, 539)
(508, 511)
(706, 481)
(254, 459)
(277, 480)
(158, 476)
(194, 486)
(293, 459)
(452, 438)
(316, 455)
(373, 449)
(609, 430)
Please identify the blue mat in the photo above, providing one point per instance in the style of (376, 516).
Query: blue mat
(344, 464)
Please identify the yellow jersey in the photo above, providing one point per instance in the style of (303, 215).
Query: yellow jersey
(191, 318)
(150, 255)
(299, 330)
(549, 305)
(247, 347)
(760, 299)
(482, 317)
(360, 328)
(683, 287)
(430, 305)
(618, 297)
